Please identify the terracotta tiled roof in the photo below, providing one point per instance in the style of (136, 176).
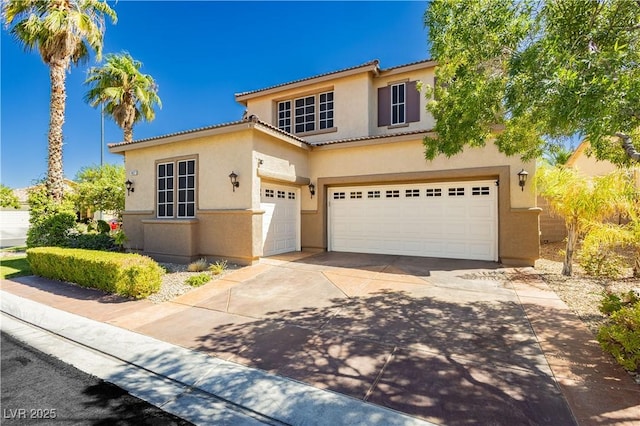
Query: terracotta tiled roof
(366, 138)
(374, 63)
(424, 61)
(252, 118)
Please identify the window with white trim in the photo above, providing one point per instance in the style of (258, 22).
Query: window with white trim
(305, 114)
(176, 177)
(326, 110)
(284, 116)
(310, 113)
(398, 103)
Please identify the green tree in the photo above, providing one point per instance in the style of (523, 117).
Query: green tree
(100, 188)
(50, 222)
(8, 198)
(63, 31)
(581, 200)
(128, 95)
(529, 72)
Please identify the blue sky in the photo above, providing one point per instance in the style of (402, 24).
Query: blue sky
(200, 53)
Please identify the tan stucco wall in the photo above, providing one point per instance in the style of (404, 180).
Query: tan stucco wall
(426, 122)
(404, 162)
(355, 104)
(278, 161)
(230, 233)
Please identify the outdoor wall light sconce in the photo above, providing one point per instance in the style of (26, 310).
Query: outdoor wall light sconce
(234, 181)
(522, 178)
(129, 186)
(312, 189)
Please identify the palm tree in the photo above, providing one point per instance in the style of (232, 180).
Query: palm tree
(63, 31)
(128, 95)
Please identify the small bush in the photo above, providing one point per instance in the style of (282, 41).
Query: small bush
(198, 280)
(218, 267)
(130, 275)
(92, 242)
(103, 227)
(611, 302)
(621, 336)
(51, 230)
(199, 265)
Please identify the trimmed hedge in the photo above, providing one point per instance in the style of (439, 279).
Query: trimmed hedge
(126, 274)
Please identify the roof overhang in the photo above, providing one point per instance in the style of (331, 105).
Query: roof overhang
(237, 126)
(364, 68)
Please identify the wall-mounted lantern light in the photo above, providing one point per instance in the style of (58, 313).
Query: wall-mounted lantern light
(522, 178)
(234, 181)
(312, 189)
(129, 185)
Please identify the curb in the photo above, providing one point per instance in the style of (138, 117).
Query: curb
(194, 386)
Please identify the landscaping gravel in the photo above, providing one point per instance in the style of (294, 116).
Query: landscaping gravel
(174, 281)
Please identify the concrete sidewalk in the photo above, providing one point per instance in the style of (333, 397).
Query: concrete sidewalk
(191, 385)
(450, 342)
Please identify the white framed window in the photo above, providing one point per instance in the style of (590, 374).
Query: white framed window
(305, 114)
(326, 110)
(165, 190)
(176, 177)
(398, 104)
(284, 116)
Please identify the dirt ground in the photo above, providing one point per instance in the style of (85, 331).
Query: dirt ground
(580, 292)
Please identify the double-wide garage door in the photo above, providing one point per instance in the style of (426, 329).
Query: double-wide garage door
(453, 220)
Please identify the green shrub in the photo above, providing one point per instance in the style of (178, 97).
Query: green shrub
(130, 275)
(611, 302)
(92, 242)
(51, 230)
(218, 267)
(198, 280)
(621, 336)
(198, 266)
(103, 227)
(50, 223)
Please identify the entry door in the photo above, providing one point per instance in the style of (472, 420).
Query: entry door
(281, 220)
(454, 220)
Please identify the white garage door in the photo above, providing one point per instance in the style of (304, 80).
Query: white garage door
(281, 220)
(456, 220)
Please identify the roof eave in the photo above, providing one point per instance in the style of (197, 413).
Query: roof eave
(368, 67)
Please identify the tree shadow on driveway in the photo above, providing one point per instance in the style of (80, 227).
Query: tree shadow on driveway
(447, 362)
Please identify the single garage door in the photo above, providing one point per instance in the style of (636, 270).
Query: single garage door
(281, 220)
(456, 220)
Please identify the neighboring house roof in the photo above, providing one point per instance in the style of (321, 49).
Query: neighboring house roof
(577, 153)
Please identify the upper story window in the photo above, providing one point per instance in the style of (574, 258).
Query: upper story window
(305, 114)
(284, 116)
(176, 177)
(310, 113)
(398, 104)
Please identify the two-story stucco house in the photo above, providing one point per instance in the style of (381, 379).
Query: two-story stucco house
(331, 162)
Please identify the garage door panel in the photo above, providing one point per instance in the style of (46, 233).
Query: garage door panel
(281, 220)
(457, 220)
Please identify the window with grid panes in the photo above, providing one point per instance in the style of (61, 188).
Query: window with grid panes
(176, 177)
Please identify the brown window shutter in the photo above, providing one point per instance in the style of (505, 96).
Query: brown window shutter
(413, 102)
(384, 106)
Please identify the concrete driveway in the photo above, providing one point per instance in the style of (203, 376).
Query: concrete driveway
(451, 341)
(440, 339)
